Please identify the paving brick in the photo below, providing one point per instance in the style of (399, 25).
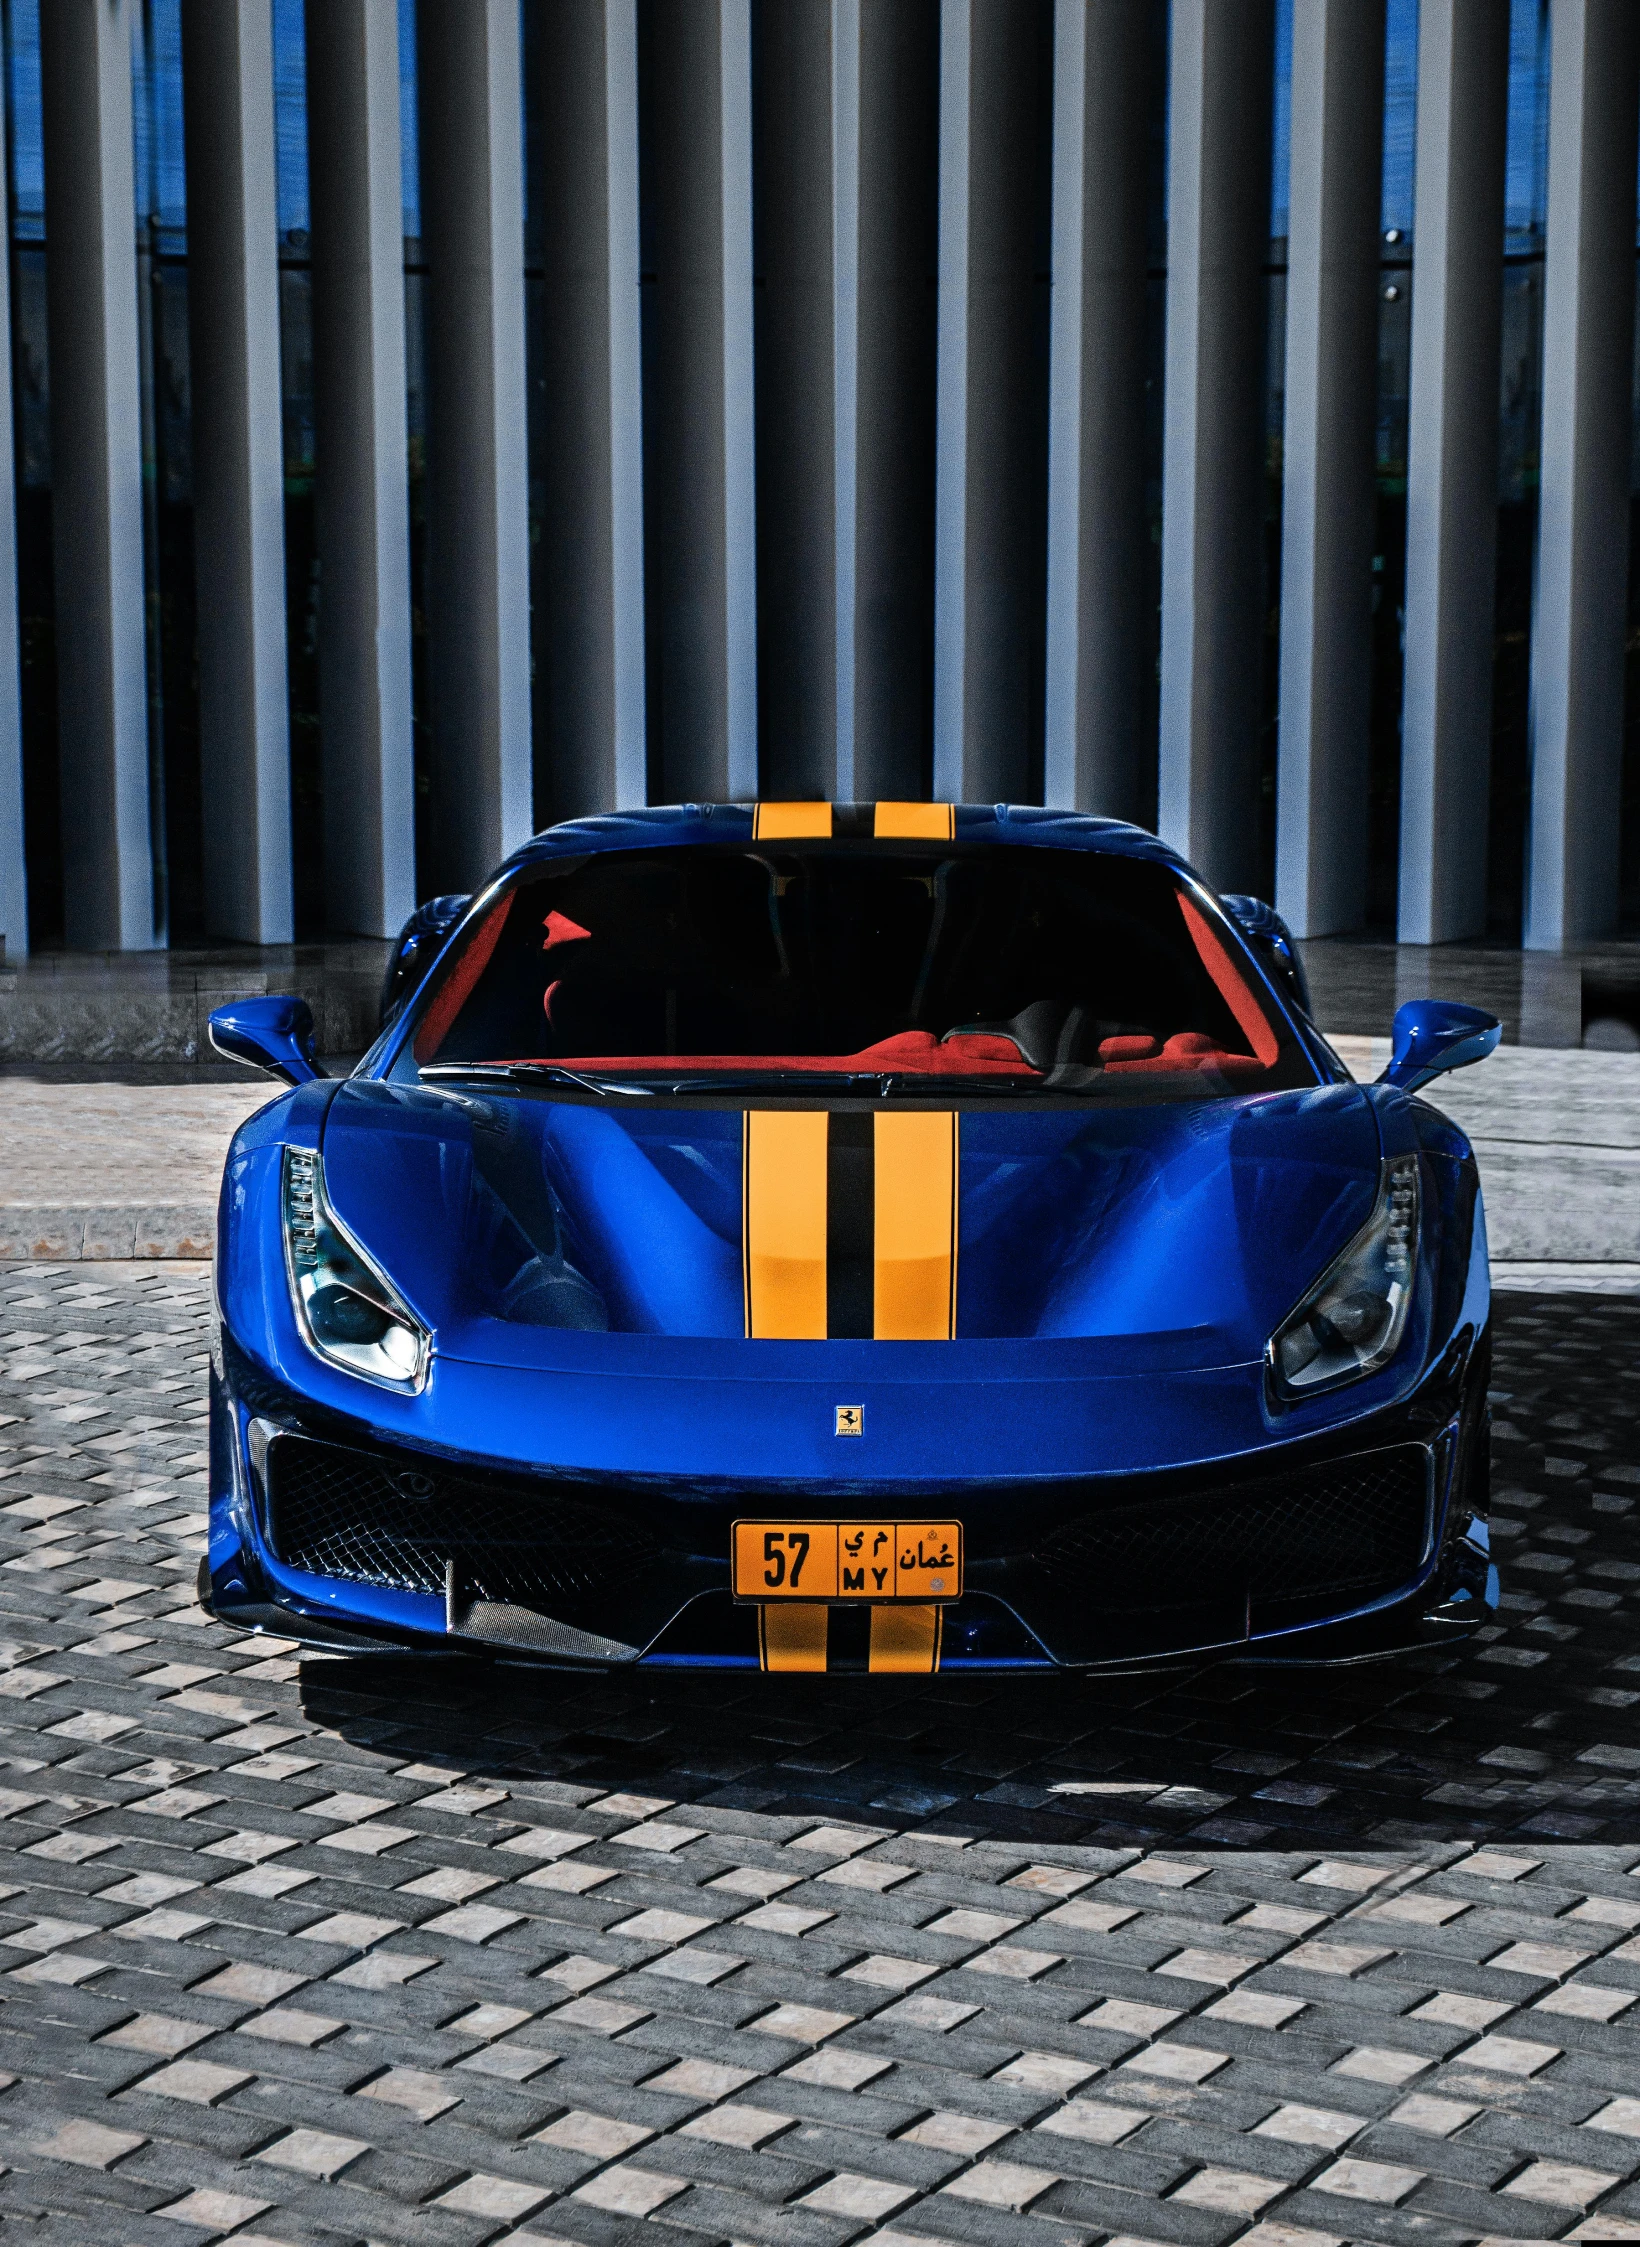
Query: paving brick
(199, 2081)
(315, 2153)
(1001, 2184)
(626, 2191)
(90, 2145)
(213, 2211)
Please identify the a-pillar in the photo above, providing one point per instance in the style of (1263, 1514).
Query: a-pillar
(238, 468)
(1452, 468)
(988, 510)
(110, 895)
(1213, 445)
(361, 460)
(1105, 55)
(1328, 463)
(586, 409)
(13, 859)
(1583, 519)
(700, 506)
(469, 89)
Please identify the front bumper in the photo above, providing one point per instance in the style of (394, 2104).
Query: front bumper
(1365, 1542)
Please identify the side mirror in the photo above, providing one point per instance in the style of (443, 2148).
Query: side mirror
(1434, 1035)
(1273, 946)
(420, 941)
(271, 1034)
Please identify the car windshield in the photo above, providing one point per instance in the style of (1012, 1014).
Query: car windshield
(1004, 968)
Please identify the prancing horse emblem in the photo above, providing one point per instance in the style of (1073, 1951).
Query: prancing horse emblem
(851, 1419)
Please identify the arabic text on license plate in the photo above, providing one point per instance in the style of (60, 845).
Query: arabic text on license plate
(847, 1560)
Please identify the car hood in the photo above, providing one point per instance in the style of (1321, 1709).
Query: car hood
(1179, 1234)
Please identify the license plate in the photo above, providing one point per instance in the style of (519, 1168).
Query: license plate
(873, 1561)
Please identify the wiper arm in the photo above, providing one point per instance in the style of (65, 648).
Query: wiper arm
(714, 1080)
(881, 1084)
(763, 1080)
(534, 1072)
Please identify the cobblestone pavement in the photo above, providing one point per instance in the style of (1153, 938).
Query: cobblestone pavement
(339, 1950)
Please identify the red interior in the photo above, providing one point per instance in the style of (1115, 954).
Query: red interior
(1250, 1018)
(435, 1024)
(920, 1053)
(562, 930)
(918, 1050)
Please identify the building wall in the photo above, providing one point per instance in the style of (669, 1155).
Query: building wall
(1081, 401)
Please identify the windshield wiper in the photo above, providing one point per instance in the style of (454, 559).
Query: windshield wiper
(882, 1084)
(879, 1084)
(714, 1080)
(783, 1080)
(535, 1072)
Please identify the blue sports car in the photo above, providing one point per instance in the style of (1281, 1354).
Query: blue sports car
(825, 1237)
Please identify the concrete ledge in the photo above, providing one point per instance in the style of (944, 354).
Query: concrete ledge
(1567, 1278)
(1549, 1203)
(153, 1007)
(73, 1236)
(158, 1027)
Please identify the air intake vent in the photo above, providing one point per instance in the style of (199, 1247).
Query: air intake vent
(335, 1512)
(1354, 1527)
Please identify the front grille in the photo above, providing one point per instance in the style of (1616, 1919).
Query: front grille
(1356, 1527)
(343, 1513)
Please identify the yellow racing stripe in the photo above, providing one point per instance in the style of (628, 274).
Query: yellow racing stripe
(905, 1638)
(783, 1223)
(914, 1295)
(791, 1635)
(914, 1287)
(787, 822)
(931, 822)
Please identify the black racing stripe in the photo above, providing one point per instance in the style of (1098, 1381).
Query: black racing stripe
(858, 822)
(848, 1644)
(851, 1225)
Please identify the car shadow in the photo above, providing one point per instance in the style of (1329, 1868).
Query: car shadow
(1530, 1732)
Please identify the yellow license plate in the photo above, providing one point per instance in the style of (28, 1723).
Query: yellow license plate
(848, 1560)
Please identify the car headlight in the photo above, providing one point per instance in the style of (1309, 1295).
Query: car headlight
(348, 1310)
(1352, 1321)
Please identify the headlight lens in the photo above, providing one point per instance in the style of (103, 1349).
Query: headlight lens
(1353, 1320)
(348, 1310)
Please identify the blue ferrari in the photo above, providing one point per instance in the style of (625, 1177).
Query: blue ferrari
(820, 1237)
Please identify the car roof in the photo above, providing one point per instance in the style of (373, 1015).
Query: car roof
(776, 821)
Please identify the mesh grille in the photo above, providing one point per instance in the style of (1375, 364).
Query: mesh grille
(1349, 1525)
(341, 1513)
(1354, 1527)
